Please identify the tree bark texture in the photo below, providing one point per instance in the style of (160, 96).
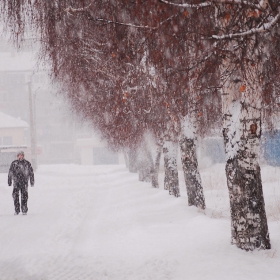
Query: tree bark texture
(132, 161)
(125, 154)
(171, 180)
(145, 163)
(166, 178)
(242, 132)
(191, 173)
(155, 183)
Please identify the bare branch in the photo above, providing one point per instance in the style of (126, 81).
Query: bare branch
(127, 24)
(261, 6)
(70, 10)
(264, 28)
(136, 26)
(186, 5)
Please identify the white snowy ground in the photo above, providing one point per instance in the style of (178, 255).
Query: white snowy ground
(99, 222)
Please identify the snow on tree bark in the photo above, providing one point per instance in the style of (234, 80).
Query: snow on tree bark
(125, 154)
(155, 183)
(145, 163)
(171, 180)
(132, 161)
(191, 173)
(166, 178)
(189, 159)
(242, 131)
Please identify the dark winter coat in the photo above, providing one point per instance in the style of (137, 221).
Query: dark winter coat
(21, 172)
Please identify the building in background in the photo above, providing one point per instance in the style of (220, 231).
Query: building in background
(13, 131)
(27, 94)
(53, 130)
(93, 151)
(13, 136)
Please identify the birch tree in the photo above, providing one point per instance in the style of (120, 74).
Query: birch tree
(240, 36)
(101, 74)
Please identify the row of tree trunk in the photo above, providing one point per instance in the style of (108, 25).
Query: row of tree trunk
(141, 161)
(242, 132)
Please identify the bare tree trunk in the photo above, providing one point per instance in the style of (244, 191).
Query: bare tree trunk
(188, 129)
(155, 183)
(166, 176)
(125, 154)
(242, 132)
(171, 180)
(145, 163)
(190, 165)
(132, 161)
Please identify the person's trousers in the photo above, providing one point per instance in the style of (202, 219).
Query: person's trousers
(23, 190)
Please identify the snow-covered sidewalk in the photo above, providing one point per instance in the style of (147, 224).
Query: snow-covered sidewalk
(100, 222)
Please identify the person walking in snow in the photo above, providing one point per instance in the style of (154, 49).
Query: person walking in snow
(20, 172)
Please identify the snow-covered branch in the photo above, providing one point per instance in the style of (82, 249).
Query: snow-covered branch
(186, 5)
(261, 5)
(127, 24)
(70, 9)
(264, 28)
(136, 26)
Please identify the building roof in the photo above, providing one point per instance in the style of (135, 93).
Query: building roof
(7, 121)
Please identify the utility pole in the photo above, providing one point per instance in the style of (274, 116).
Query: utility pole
(33, 136)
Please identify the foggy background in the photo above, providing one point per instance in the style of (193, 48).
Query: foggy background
(38, 120)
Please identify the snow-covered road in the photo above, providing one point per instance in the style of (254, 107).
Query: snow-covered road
(99, 222)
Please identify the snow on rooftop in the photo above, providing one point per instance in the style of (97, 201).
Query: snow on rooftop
(7, 121)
